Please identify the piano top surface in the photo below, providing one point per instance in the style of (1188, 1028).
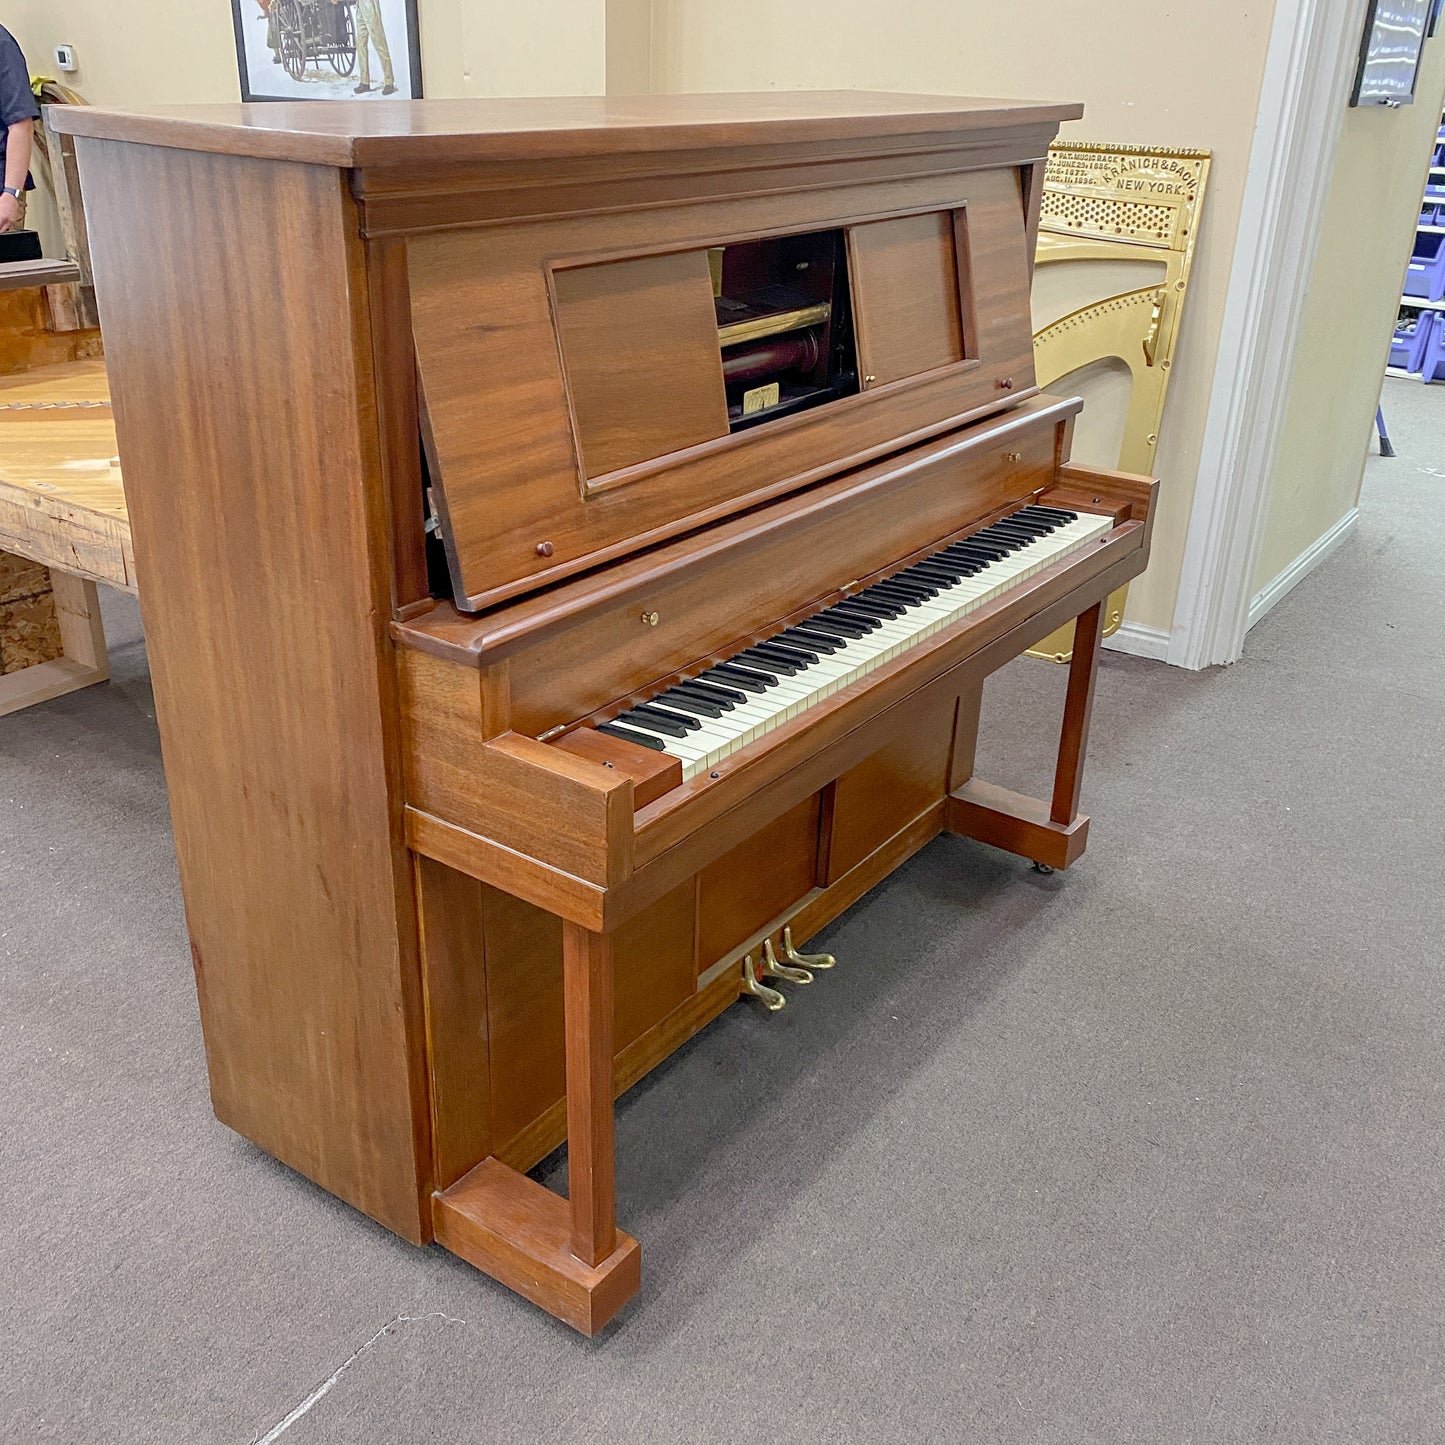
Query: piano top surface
(359, 133)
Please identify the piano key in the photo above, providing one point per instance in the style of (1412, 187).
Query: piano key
(629, 735)
(1041, 510)
(725, 697)
(816, 640)
(688, 702)
(787, 652)
(771, 682)
(737, 677)
(654, 721)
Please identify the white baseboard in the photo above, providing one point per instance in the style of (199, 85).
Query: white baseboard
(1140, 641)
(1302, 565)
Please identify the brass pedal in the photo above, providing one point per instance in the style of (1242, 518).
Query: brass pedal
(770, 998)
(772, 968)
(805, 960)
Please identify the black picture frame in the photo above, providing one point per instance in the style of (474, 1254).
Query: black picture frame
(1390, 51)
(316, 38)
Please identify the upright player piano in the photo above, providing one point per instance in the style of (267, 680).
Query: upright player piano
(575, 535)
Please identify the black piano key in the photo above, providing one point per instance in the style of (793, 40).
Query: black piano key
(946, 573)
(812, 637)
(644, 715)
(1039, 526)
(851, 610)
(837, 627)
(799, 657)
(984, 552)
(725, 697)
(912, 589)
(1018, 534)
(775, 662)
(750, 678)
(878, 606)
(687, 702)
(1056, 512)
(838, 612)
(660, 724)
(628, 735)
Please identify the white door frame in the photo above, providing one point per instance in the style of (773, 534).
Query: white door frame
(1309, 68)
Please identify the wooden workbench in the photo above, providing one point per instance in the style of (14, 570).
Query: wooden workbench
(63, 527)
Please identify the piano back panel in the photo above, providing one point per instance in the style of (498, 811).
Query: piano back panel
(709, 606)
(532, 375)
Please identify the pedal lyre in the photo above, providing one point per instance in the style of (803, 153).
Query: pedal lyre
(805, 960)
(772, 968)
(770, 998)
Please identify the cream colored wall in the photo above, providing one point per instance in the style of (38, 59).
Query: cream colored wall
(1366, 231)
(135, 56)
(1162, 75)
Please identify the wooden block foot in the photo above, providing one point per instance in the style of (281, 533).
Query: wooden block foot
(1015, 823)
(510, 1227)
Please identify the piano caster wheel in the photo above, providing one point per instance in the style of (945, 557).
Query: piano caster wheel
(770, 998)
(805, 960)
(773, 969)
(1042, 868)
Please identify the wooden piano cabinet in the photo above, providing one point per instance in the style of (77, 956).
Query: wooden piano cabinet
(429, 471)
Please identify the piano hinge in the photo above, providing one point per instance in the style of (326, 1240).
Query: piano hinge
(433, 521)
(551, 733)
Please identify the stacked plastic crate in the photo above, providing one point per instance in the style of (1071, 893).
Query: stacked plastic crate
(1418, 348)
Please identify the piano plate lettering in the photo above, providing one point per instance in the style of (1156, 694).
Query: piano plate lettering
(544, 691)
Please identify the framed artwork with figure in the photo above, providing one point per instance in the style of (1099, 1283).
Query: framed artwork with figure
(327, 49)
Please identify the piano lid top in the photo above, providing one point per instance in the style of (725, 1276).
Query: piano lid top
(365, 133)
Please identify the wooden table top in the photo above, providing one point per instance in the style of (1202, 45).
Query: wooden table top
(61, 498)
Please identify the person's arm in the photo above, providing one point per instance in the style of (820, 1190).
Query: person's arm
(19, 138)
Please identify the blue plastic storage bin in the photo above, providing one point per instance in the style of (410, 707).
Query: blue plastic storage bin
(1426, 276)
(1412, 339)
(1432, 361)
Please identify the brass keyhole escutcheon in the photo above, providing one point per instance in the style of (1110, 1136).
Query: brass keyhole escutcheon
(650, 618)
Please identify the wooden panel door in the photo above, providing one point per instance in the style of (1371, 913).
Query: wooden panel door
(640, 356)
(907, 304)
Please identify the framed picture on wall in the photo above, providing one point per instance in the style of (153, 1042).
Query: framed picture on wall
(1390, 51)
(327, 49)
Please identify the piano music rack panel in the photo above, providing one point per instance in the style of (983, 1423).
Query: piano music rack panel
(532, 376)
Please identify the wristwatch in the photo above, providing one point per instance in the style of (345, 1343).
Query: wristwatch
(10, 191)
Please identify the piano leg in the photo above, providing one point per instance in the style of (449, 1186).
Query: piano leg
(1052, 833)
(587, 977)
(1078, 706)
(566, 1255)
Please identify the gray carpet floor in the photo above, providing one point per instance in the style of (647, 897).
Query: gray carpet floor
(1151, 1152)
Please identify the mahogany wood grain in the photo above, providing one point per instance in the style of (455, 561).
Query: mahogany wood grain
(965, 736)
(652, 773)
(1078, 708)
(262, 534)
(541, 802)
(512, 1228)
(640, 358)
(904, 275)
(958, 467)
(452, 916)
(591, 1187)
(1016, 823)
(428, 132)
(757, 880)
(876, 798)
(518, 516)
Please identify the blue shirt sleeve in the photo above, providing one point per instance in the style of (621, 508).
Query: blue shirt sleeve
(16, 100)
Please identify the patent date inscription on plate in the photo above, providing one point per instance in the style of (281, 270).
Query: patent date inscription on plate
(1147, 194)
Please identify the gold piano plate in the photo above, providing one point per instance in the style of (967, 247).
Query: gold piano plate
(1117, 205)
